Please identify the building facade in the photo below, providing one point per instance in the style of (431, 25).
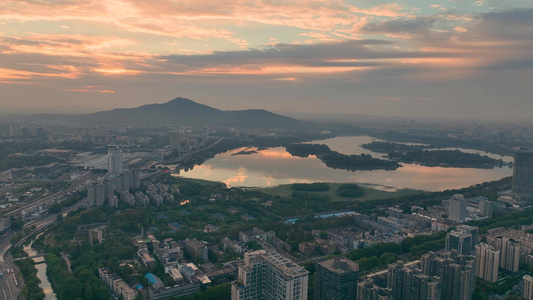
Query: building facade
(336, 279)
(114, 160)
(522, 188)
(509, 253)
(457, 208)
(487, 262)
(527, 287)
(268, 275)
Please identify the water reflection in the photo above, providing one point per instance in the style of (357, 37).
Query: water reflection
(275, 166)
(41, 272)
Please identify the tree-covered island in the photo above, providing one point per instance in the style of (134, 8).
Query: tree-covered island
(423, 155)
(336, 160)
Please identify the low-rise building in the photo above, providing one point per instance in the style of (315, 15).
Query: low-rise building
(196, 247)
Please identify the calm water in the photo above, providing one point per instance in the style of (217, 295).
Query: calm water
(41, 272)
(275, 166)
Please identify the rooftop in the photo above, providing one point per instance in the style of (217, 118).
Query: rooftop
(340, 265)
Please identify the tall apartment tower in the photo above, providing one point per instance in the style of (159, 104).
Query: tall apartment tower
(100, 194)
(205, 135)
(509, 253)
(456, 273)
(136, 180)
(109, 187)
(368, 290)
(268, 275)
(91, 193)
(527, 288)
(457, 208)
(487, 262)
(175, 141)
(522, 189)
(114, 160)
(336, 279)
(410, 283)
(96, 194)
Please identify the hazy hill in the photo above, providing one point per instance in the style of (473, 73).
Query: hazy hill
(182, 111)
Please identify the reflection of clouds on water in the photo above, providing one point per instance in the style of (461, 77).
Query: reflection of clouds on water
(237, 179)
(278, 153)
(275, 166)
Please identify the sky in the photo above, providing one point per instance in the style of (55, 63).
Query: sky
(450, 58)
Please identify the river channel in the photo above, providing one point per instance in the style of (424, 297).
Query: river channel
(275, 166)
(40, 265)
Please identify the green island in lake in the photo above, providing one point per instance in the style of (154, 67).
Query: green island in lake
(336, 160)
(422, 155)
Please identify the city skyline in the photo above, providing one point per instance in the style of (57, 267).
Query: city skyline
(406, 58)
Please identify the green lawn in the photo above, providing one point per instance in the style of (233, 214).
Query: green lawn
(201, 181)
(370, 192)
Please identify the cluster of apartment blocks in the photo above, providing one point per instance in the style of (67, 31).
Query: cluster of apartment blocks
(100, 192)
(156, 194)
(398, 224)
(116, 284)
(188, 277)
(451, 274)
(255, 234)
(269, 275)
(444, 275)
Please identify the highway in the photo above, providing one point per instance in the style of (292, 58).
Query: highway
(72, 187)
(9, 283)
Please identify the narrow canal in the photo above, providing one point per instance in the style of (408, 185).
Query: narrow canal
(40, 265)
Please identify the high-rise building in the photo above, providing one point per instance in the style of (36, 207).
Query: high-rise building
(124, 177)
(459, 241)
(136, 180)
(336, 279)
(268, 275)
(114, 160)
(459, 281)
(509, 253)
(175, 141)
(456, 273)
(368, 290)
(411, 283)
(486, 208)
(487, 262)
(109, 187)
(522, 188)
(457, 208)
(91, 193)
(205, 135)
(100, 194)
(96, 194)
(472, 230)
(527, 288)
(24, 133)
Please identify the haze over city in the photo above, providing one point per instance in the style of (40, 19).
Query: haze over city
(406, 58)
(266, 149)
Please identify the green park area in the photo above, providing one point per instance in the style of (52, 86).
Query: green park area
(370, 192)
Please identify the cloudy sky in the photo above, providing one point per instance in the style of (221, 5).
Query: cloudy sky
(457, 58)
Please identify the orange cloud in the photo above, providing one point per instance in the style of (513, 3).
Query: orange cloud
(116, 71)
(86, 90)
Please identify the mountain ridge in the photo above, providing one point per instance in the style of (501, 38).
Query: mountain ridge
(184, 111)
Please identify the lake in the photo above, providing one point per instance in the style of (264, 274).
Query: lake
(275, 166)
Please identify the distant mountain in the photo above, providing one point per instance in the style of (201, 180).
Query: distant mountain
(182, 111)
